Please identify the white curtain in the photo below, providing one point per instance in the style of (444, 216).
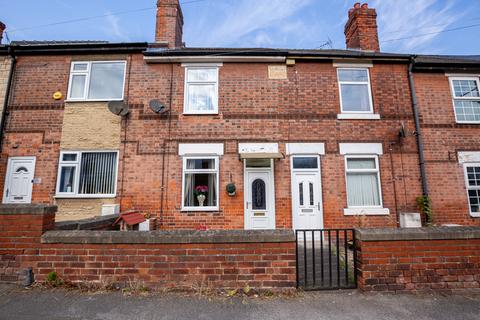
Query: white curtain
(189, 186)
(362, 189)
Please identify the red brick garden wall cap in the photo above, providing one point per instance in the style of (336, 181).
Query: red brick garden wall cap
(17, 209)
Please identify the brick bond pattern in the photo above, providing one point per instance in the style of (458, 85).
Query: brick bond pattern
(182, 266)
(419, 265)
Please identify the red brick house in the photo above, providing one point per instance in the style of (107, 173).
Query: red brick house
(236, 138)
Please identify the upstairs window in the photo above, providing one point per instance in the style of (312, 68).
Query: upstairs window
(466, 99)
(355, 92)
(201, 90)
(87, 174)
(97, 81)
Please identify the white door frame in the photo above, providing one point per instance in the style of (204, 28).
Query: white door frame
(8, 177)
(320, 193)
(247, 222)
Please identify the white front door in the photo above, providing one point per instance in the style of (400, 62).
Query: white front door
(259, 198)
(306, 193)
(19, 180)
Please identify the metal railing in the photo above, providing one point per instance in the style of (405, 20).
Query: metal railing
(326, 259)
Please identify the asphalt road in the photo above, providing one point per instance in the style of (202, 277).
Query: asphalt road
(59, 304)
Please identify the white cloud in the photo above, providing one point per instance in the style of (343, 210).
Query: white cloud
(248, 20)
(405, 18)
(114, 28)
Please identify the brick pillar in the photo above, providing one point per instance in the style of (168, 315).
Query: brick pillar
(169, 28)
(21, 228)
(361, 28)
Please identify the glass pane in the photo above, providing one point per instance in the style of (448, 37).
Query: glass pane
(311, 193)
(67, 179)
(200, 190)
(78, 86)
(474, 197)
(353, 75)
(200, 163)
(198, 75)
(473, 175)
(465, 88)
(467, 110)
(106, 80)
(259, 201)
(21, 169)
(300, 193)
(305, 162)
(98, 173)
(80, 67)
(361, 163)
(69, 157)
(355, 97)
(201, 97)
(362, 189)
(258, 163)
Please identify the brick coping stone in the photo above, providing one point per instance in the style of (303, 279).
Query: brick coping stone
(168, 236)
(428, 233)
(86, 224)
(27, 209)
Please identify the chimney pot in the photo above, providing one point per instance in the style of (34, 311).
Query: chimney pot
(361, 28)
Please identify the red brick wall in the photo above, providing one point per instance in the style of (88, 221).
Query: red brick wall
(183, 266)
(443, 139)
(419, 265)
(302, 108)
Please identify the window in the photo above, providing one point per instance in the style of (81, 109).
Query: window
(97, 80)
(305, 162)
(87, 174)
(201, 90)
(472, 177)
(466, 99)
(200, 184)
(355, 92)
(363, 181)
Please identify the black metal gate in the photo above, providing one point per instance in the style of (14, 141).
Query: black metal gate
(326, 259)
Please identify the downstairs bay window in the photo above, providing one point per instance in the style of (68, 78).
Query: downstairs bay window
(87, 174)
(200, 184)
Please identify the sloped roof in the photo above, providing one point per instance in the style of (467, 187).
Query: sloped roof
(131, 218)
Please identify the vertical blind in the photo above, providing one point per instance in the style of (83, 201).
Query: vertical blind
(97, 173)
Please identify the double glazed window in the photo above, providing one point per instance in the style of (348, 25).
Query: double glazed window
(87, 174)
(200, 183)
(201, 90)
(97, 80)
(355, 92)
(363, 181)
(472, 177)
(466, 99)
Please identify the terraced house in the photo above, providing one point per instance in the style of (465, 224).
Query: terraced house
(242, 138)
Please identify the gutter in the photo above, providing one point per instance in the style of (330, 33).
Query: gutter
(7, 95)
(213, 58)
(418, 133)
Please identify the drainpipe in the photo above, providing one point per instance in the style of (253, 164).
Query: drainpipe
(7, 94)
(418, 134)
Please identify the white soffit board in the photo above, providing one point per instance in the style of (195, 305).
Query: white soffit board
(200, 149)
(468, 156)
(353, 64)
(258, 148)
(361, 148)
(306, 148)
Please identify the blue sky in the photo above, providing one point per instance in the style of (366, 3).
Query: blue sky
(246, 23)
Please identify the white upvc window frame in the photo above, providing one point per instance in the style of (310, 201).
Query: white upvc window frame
(185, 171)
(370, 99)
(468, 187)
(199, 66)
(77, 164)
(87, 74)
(454, 97)
(376, 171)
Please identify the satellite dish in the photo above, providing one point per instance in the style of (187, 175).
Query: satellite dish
(157, 106)
(118, 108)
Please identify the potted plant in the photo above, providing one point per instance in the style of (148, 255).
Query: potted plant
(201, 193)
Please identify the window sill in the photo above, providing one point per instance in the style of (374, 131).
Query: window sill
(200, 209)
(92, 100)
(475, 214)
(200, 113)
(93, 196)
(358, 116)
(468, 122)
(366, 211)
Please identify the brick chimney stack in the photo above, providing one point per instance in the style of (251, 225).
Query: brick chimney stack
(169, 30)
(361, 28)
(2, 29)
